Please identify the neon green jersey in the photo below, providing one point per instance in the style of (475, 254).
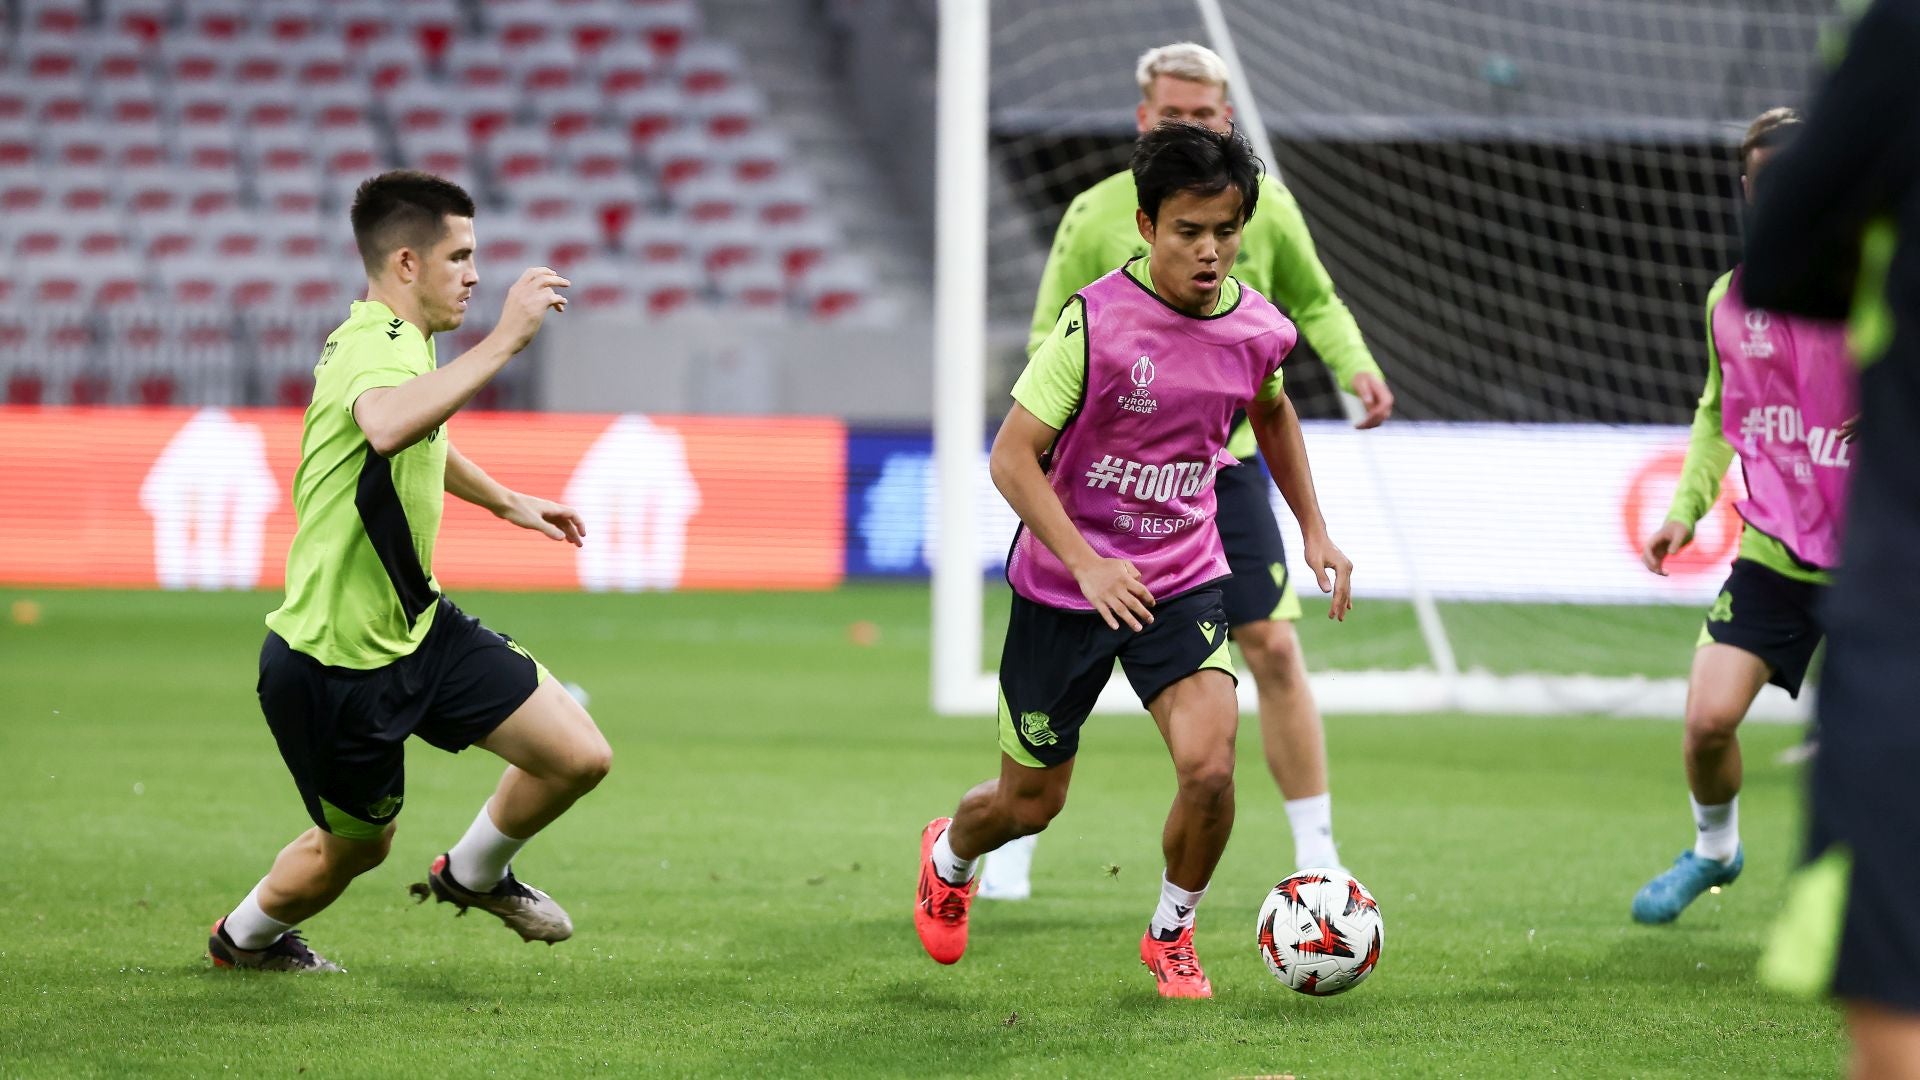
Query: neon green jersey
(360, 586)
(1277, 258)
(1709, 454)
(1055, 379)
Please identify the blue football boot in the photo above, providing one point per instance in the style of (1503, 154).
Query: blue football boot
(1666, 896)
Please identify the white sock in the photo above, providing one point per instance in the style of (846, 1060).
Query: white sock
(1175, 912)
(1312, 820)
(479, 861)
(251, 928)
(952, 869)
(1008, 872)
(1717, 829)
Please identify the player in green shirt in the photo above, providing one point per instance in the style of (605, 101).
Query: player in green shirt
(366, 650)
(1277, 258)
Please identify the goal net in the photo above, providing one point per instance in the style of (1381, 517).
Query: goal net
(1524, 203)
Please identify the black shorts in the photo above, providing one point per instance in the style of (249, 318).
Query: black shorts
(1864, 815)
(1261, 586)
(1770, 616)
(1056, 662)
(342, 731)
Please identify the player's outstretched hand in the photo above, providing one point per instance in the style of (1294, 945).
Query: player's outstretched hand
(528, 302)
(1323, 557)
(1372, 391)
(1671, 538)
(545, 516)
(1114, 588)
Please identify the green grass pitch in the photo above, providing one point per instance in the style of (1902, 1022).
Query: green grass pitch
(742, 883)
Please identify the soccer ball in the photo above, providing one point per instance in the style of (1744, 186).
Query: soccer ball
(1320, 932)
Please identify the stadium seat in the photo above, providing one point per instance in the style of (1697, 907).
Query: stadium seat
(135, 147)
(833, 289)
(207, 150)
(289, 236)
(254, 61)
(22, 191)
(112, 60)
(727, 113)
(132, 104)
(192, 61)
(591, 26)
(649, 113)
(707, 67)
(16, 102)
(37, 236)
(163, 237)
(446, 152)
(781, 200)
(140, 21)
(290, 24)
(68, 148)
(603, 284)
(566, 113)
(485, 110)
(203, 106)
(547, 196)
(665, 27)
(82, 189)
(660, 239)
(724, 245)
(295, 191)
(719, 198)
(270, 105)
(546, 67)
(802, 245)
(678, 157)
(597, 153)
(60, 101)
(517, 153)
(20, 145)
(753, 157)
(323, 62)
(354, 152)
(363, 24)
(218, 20)
(50, 56)
(757, 285)
(337, 106)
(624, 65)
(191, 282)
(280, 150)
(49, 17)
(477, 62)
(391, 65)
(614, 201)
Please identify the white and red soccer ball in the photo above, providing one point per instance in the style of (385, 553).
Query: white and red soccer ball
(1320, 932)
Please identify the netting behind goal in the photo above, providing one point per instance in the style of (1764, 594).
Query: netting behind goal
(1525, 203)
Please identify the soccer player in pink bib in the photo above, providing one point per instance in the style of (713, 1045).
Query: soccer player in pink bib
(1780, 394)
(1109, 455)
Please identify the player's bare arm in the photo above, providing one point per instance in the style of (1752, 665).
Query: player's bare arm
(396, 417)
(470, 482)
(1669, 538)
(1277, 428)
(1112, 586)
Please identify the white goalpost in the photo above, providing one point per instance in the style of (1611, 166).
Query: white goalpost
(1384, 505)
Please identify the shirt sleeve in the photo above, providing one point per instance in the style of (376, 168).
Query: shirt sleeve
(1708, 452)
(1301, 284)
(369, 365)
(1273, 389)
(1072, 264)
(1055, 380)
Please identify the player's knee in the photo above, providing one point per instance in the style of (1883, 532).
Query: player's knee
(1272, 651)
(1033, 813)
(589, 766)
(1712, 722)
(1207, 781)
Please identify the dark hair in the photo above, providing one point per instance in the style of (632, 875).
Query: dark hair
(404, 208)
(1772, 128)
(1180, 156)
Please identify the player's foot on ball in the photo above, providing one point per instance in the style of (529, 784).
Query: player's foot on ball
(940, 912)
(526, 910)
(1174, 965)
(1666, 896)
(290, 953)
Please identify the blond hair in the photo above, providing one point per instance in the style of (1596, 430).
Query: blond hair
(1181, 60)
(1768, 129)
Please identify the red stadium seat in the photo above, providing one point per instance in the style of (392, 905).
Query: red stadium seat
(295, 191)
(163, 237)
(833, 290)
(323, 67)
(757, 285)
(271, 105)
(337, 107)
(194, 62)
(707, 67)
(598, 153)
(23, 191)
(133, 104)
(203, 106)
(546, 67)
(218, 20)
(591, 27)
(290, 25)
(518, 153)
(548, 196)
(477, 62)
(566, 113)
(111, 60)
(727, 113)
(20, 144)
(623, 66)
(44, 56)
(659, 239)
(364, 23)
(191, 283)
(650, 113)
(446, 152)
(728, 245)
(281, 150)
(62, 101)
(391, 65)
(665, 27)
(142, 21)
(136, 148)
(208, 150)
(754, 157)
(82, 189)
(255, 61)
(801, 246)
(351, 152)
(38, 237)
(49, 17)
(72, 148)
